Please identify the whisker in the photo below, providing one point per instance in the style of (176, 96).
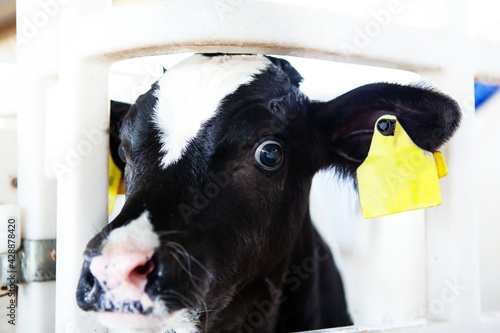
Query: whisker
(188, 271)
(205, 311)
(177, 296)
(170, 232)
(183, 251)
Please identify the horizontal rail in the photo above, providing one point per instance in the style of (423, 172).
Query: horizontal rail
(175, 26)
(487, 61)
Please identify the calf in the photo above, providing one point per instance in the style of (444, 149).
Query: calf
(215, 234)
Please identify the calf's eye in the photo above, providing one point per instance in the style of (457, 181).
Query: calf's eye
(121, 153)
(269, 155)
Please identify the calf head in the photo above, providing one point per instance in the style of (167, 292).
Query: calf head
(219, 156)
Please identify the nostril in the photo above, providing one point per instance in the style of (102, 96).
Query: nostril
(141, 269)
(139, 274)
(144, 269)
(123, 273)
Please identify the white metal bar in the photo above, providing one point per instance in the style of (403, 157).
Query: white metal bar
(82, 182)
(200, 26)
(37, 68)
(203, 26)
(452, 251)
(388, 278)
(80, 164)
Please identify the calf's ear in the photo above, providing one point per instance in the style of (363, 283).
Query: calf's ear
(343, 127)
(118, 110)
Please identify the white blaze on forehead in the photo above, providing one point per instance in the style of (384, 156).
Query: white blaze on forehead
(190, 93)
(137, 235)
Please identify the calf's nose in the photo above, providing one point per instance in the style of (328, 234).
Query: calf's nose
(125, 262)
(124, 270)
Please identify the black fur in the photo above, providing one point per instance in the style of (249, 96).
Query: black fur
(253, 239)
(118, 112)
(346, 123)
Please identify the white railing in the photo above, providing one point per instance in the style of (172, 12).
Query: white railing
(64, 113)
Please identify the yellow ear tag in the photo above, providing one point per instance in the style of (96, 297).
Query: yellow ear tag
(115, 177)
(397, 175)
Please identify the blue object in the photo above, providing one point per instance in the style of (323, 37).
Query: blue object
(483, 92)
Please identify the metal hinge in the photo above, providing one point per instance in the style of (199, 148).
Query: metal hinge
(34, 262)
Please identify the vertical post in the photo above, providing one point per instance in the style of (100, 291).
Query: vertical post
(82, 164)
(37, 62)
(451, 229)
(82, 183)
(389, 270)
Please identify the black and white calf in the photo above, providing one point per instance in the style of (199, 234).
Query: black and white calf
(215, 234)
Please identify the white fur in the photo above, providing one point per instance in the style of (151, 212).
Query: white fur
(137, 235)
(180, 321)
(124, 248)
(189, 94)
